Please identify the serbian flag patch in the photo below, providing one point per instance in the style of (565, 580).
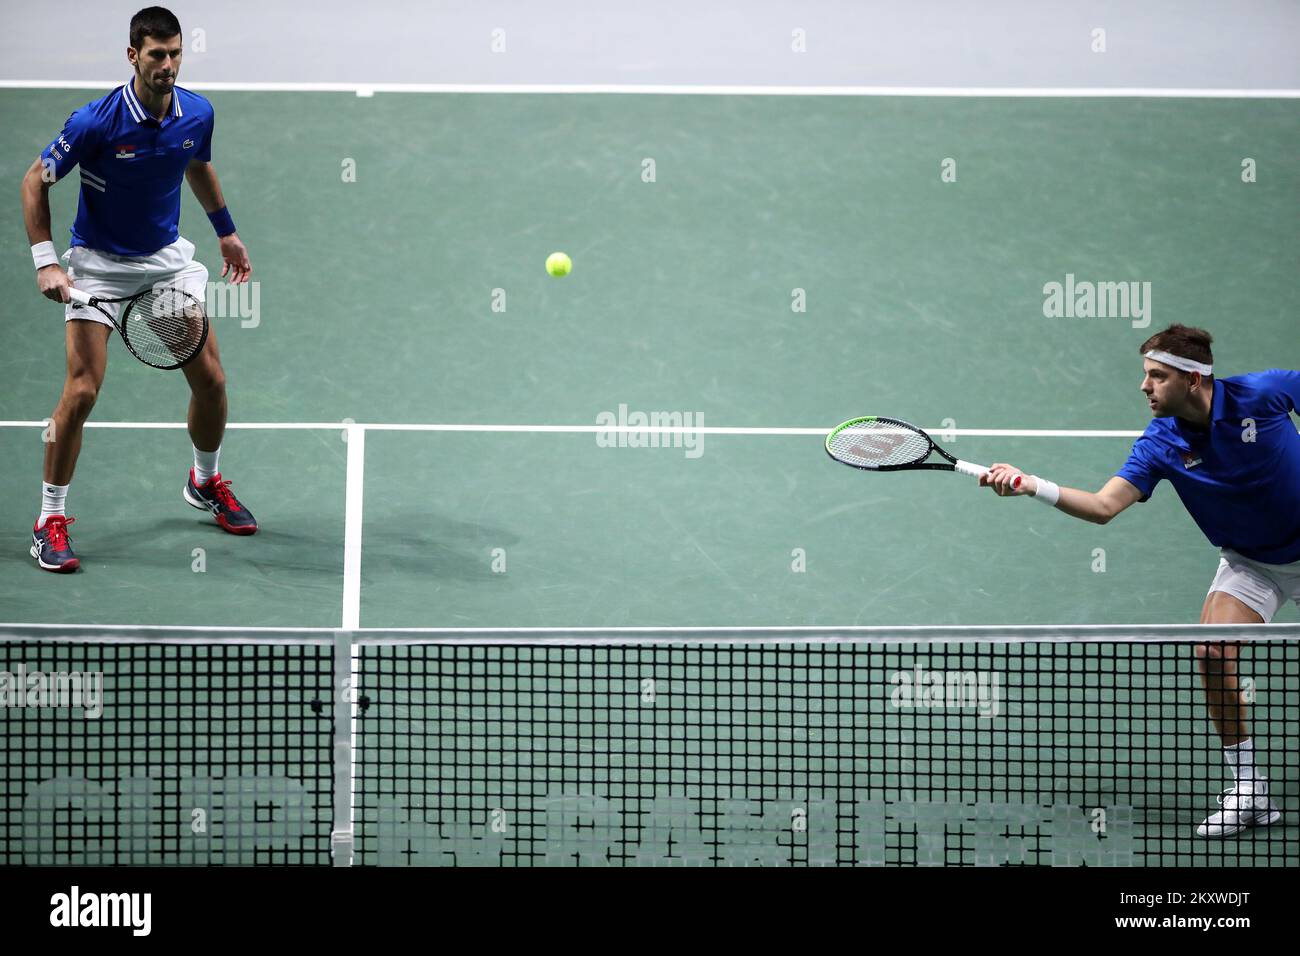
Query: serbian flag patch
(1191, 459)
(126, 151)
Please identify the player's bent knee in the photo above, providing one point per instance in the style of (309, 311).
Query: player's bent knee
(79, 395)
(209, 381)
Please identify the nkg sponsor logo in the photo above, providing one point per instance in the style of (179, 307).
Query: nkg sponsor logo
(67, 689)
(103, 910)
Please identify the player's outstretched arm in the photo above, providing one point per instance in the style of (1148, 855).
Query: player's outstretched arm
(1116, 495)
(207, 189)
(51, 279)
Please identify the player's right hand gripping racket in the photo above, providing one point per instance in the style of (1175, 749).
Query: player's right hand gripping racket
(163, 327)
(887, 444)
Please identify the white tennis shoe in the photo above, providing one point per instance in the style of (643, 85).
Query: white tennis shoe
(1240, 809)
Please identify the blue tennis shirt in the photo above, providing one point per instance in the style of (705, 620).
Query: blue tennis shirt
(1239, 478)
(132, 166)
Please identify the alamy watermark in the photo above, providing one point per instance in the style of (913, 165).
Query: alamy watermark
(55, 689)
(924, 689)
(78, 908)
(633, 429)
(1073, 299)
(224, 300)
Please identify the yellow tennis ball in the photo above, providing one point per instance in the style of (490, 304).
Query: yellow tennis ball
(558, 264)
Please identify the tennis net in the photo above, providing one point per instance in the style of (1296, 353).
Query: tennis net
(1068, 746)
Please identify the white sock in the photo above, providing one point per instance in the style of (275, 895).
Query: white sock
(54, 500)
(205, 465)
(1241, 761)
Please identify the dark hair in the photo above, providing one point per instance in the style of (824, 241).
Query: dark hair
(1184, 341)
(153, 22)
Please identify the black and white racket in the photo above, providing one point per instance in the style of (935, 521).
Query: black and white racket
(164, 327)
(887, 444)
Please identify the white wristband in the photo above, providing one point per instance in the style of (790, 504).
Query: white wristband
(1046, 491)
(43, 254)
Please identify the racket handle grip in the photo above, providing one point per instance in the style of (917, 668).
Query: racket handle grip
(968, 468)
(979, 471)
(79, 297)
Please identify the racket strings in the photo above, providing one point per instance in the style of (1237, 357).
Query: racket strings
(164, 327)
(878, 444)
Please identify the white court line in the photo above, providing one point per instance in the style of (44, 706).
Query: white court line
(368, 89)
(352, 515)
(604, 429)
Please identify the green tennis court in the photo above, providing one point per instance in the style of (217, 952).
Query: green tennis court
(923, 298)
(415, 404)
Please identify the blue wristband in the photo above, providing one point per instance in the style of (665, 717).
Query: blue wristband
(222, 222)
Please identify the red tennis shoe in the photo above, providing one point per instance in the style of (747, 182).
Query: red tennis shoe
(51, 546)
(214, 495)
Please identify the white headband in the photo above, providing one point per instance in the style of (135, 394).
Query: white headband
(1177, 361)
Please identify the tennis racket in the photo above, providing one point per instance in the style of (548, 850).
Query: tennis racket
(163, 327)
(887, 444)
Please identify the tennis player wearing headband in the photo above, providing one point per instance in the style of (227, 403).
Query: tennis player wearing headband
(1231, 451)
(133, 146)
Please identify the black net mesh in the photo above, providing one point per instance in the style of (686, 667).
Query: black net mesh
(645, 754)
(1041, 753)
(186, 754)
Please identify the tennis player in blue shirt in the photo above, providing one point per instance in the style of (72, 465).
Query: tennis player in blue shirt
(1231, 451)
(134, 146)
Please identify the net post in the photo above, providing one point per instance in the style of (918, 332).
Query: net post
(342, 836)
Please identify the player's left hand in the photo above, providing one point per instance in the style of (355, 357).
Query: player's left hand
(234, 259)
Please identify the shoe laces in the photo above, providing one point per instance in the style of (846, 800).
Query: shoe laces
(1244, 796)
(220, 488)
(56, 531)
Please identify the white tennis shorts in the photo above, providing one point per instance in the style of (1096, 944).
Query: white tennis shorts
(1261, 587)
(102, 273)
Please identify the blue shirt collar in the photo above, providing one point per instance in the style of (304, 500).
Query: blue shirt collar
(137, 110)
(1188, 432)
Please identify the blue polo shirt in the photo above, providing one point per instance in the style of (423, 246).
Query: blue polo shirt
(132, 167)
(1244, 494)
